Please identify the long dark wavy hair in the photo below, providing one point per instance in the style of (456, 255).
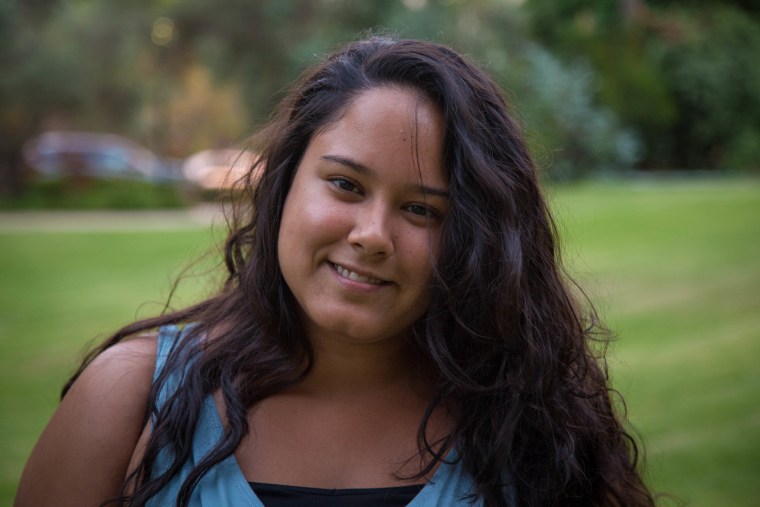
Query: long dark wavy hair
(511, 349)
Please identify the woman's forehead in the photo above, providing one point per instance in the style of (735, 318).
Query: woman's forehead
(388, 125)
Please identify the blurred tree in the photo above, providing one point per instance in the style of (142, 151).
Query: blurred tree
(200, 115)
(102, 43)
(266, 44)
(30, 84)
(715, 80)
(682, 75)
(55, 79)
(569, 132)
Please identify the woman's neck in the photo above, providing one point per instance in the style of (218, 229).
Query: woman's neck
(349, 369)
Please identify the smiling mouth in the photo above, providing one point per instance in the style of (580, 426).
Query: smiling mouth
(356, 277)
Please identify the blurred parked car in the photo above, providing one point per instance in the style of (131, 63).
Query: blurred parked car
(217, 169)
(95, 155)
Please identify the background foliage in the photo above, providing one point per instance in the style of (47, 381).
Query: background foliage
(601, 85)
(681, 74)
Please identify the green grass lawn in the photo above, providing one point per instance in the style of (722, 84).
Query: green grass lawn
(673, 267)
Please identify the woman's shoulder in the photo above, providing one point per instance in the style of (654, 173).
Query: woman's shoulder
(135, 352)
(83, 453)
(119, 374)
(115, 386)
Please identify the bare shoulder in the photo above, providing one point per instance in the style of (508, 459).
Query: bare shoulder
(131, 361)
(117, 382)
(82, 455)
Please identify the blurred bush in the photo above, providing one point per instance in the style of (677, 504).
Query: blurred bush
(714, 76)
(568, 131)
(682, 75)
(96, 194)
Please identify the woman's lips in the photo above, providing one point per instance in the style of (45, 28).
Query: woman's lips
(356, 277)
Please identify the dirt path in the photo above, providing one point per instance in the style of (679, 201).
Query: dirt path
(103, 221)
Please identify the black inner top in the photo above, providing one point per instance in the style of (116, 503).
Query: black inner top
(278, 495)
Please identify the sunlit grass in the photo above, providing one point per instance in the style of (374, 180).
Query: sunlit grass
(673, 267)
(61, 291)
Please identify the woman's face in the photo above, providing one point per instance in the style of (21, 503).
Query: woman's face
(361, 221)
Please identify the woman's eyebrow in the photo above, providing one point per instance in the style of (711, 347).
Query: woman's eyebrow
(351, 164)
(363, 169)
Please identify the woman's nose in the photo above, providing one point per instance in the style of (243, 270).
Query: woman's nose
(371, 232)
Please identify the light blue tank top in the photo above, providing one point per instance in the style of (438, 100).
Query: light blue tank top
(225, 486)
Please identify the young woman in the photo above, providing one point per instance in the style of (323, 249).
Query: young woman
(395, 328)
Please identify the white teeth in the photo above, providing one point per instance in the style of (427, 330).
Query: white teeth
(347, 273)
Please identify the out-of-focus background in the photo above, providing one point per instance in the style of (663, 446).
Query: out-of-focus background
(121, 121)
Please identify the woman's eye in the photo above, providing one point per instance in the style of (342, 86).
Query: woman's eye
(423, 211)
(345, 185)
